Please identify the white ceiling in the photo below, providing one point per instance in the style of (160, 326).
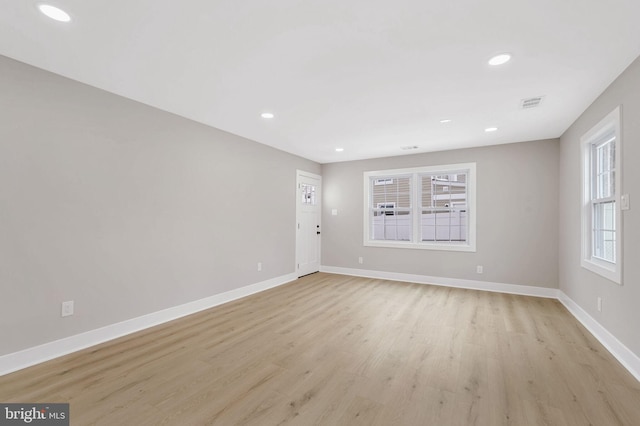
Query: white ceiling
(368, 76)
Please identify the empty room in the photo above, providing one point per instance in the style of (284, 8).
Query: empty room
(319, 213)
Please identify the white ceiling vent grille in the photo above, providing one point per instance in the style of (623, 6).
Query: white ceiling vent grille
(531, 102)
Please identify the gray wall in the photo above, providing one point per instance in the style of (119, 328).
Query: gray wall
(620, 311)
(126, 209)
(517, 210)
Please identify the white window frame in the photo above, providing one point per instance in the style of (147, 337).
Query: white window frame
(415, 173)
(610, 125)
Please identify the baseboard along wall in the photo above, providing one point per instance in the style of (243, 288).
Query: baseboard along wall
(45, 352)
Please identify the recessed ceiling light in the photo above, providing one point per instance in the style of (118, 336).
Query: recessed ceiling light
(267, 115)
(500, 59)
(339, 149)
(490, 129)
(446, 120)
(54, 13)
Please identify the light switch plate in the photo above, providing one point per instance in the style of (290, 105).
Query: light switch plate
(624, 202)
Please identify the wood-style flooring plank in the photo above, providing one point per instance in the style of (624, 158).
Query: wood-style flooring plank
(336, 350)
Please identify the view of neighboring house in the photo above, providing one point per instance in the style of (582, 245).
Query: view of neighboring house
(443, 200)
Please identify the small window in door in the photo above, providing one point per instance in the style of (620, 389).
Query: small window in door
(308, 194)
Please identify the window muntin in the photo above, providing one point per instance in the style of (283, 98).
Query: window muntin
(601, 215)
(603, 168)
(604, 231)
(427, 207)
(444, 207)
(603, 199)
(391, 208)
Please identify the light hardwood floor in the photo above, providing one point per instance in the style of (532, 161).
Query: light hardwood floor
(330, 350)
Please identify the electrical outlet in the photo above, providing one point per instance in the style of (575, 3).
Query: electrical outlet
(360, 260)
(67, 308)
(599, 304)
(479, 269)
(259, 266)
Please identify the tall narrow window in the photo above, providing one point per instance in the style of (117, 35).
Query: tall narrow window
(601, 217)
(428, 207)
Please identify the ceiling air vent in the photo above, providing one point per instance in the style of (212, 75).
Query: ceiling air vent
(531, 102)
(406, 148)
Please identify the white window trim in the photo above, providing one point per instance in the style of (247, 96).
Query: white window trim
(468, 246)
(611, 271)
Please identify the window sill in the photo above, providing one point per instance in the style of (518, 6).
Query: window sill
(604, 269)
(424, 246)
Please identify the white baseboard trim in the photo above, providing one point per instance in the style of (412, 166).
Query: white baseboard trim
(624, 355)
(45, 352)
(38, 354)
(523, 290)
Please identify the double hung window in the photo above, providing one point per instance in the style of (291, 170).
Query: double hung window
(601, 217)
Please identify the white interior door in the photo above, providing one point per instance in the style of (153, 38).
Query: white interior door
(308, 202)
